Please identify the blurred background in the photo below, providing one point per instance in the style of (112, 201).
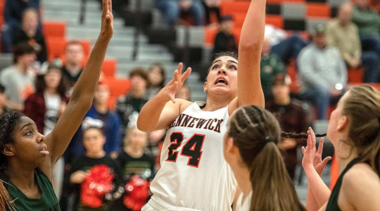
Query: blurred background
(313, 51)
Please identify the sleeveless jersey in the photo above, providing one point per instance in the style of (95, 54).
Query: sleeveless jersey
(194, 173)
(47, 202)
(333, 200)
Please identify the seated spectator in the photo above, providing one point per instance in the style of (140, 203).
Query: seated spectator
(135, 99)
(93, 141)
(368, 22)
(30, 33)
(72, 67)
(13, 10)
(270, 66)
(225, 40)
(156, 79)
(49, 101)
(343, 35)
(292, 116)
(212, 6)
(184, 93)
(287, 48)
(171, 10)
(110, 119)
(16, 79)
(3, 108)
(322, 73)
(133, 160)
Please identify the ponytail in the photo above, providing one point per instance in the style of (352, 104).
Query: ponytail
(6, 202)
(272, 189)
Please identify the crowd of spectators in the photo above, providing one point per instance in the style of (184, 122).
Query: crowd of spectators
(41, 90)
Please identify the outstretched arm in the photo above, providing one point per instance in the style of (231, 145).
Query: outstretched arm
(159, 112)
(82, 96)
(318, 192)
(250, 91)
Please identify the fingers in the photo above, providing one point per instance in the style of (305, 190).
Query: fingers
(326, 160)
(186, 74)
(320, 147)
(303, 150)
(179, 68)
(176, 75)
(110, 5)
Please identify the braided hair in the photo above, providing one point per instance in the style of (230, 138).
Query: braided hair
(256, 132)
(8, 122)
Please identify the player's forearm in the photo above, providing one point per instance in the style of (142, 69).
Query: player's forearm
(318, 188)
(151, 112)
(311, 203)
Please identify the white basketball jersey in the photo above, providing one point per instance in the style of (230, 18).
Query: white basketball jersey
(194, 173)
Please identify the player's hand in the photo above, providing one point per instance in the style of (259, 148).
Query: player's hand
(313, 158)
(107, 20)
(78, 177)
(173, 87)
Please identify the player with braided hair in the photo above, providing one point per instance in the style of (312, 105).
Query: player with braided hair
(250, 148)
(28, 157)
(354, 131)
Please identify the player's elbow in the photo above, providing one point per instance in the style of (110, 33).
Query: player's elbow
(143, 126)
(250, 45)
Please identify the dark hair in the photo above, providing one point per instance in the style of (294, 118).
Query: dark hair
(362, 108)
(225, 53)
(22, 49)
(140, 72)
(226, 18)
(2, 89)
(8, 122)
(100, 129)
(221, 54)
(162, 72)
(29, 10)
(41, 83)
(256, 133)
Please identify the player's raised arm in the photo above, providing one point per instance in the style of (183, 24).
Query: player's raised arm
(83, 93)
(251, 39)
(162, 110)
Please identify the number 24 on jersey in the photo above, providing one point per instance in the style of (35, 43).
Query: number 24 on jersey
(192, 148)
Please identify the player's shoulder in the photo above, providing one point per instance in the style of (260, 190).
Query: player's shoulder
(368, 178)
(183, 104)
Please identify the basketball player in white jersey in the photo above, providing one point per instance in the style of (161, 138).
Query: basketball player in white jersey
(194, 174)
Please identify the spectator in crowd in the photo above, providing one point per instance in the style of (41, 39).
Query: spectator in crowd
(184, 93)
(287, 48)
(16, 79)
(155, 139)
(13, 10)
(45, 106)
(292, 116)
(111, 128)
(322, 73)
(133, 160)
(343, 35)
(225, 40)
(73, 66)
(93, 141)
(212, 6)
(270, 66)
(156, 79)
(49, 101)
(171, 10)
(368, 22)
(3, 108)
(30, 33)
(135, 99)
